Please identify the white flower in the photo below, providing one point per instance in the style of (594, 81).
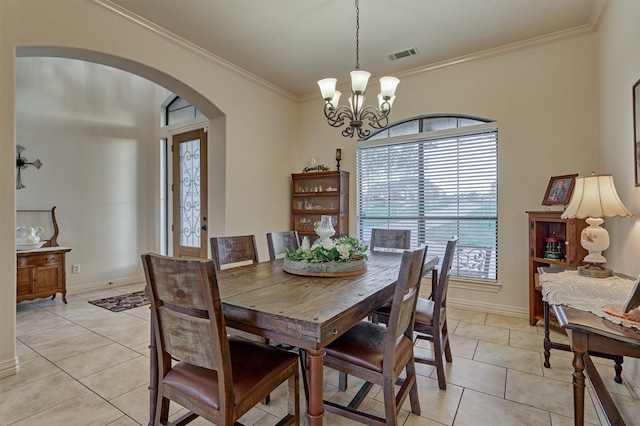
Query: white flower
(344, 250)
(328, 244)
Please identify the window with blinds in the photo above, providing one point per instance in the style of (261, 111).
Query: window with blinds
(436, 176)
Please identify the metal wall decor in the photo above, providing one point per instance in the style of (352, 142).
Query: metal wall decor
(22, 163)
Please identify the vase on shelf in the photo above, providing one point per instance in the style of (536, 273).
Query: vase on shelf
(325, 229)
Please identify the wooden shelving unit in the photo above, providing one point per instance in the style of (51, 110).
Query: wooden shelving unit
(315, 194)
(550, 224)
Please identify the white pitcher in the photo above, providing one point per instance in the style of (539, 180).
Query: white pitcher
(28, 235)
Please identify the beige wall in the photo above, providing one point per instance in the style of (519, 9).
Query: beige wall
(256, 195)
(619, 69)
(544, 99)
(94, 129)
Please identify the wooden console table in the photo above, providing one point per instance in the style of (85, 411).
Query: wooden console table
(548, 344)
(591, 334)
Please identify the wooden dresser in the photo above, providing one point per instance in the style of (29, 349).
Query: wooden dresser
(42, 272)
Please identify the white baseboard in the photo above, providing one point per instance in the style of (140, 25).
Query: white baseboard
(492, 308)
(9, 368)
(102, 285)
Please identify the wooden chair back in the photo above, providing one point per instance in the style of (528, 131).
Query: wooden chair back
(431, 319)
(235, 249)
(186, 311)
(390, 239)
(194, 351)
(380, 356)
(440, 299)
(404, 299)
(278, 242)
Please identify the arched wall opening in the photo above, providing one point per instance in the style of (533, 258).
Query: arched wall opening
(258, 128)
(104, 155)
(157, 76)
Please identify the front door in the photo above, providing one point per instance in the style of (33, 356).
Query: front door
(190, 194)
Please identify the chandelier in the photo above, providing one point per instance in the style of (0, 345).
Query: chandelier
(357, 113)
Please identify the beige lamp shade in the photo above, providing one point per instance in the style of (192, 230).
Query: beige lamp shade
(595, 196)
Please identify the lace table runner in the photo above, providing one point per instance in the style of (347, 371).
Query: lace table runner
(585, 293)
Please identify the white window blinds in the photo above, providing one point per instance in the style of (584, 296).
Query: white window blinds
(438, 185)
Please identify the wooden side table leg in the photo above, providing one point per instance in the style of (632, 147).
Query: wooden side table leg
(315, 406)
(547, 340)
(579, 347)
(618, 360)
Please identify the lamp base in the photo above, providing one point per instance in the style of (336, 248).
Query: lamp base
(594, 271)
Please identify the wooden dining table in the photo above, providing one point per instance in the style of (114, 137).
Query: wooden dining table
(301, 311)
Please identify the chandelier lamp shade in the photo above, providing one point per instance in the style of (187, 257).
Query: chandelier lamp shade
(357, 113)
(595, 197)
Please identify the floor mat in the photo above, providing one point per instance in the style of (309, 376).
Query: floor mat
(122, 302)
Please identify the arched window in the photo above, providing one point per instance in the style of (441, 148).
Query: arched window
(180, 110)
(436, 175)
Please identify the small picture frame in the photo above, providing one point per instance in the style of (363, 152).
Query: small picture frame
(559, 190)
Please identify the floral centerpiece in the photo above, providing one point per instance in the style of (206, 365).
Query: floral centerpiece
(330, 250)
(328, 257)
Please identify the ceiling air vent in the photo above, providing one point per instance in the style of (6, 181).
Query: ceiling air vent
(403, 54)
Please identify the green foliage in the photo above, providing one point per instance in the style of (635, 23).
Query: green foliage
(330, 250)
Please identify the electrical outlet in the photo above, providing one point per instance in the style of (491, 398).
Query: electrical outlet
(75, 269)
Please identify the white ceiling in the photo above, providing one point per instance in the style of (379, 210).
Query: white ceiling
(294, 43)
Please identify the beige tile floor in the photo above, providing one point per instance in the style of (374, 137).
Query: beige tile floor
(84, 365)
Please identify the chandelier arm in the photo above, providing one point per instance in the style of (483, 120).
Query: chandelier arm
(363, 133)
(337, 116)
(348, 132)
(377, 119)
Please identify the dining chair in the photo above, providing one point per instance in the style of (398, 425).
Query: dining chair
(390, 239)
(379, 354)
(235, 249)
(214, 376)
(431, 318)
(279, 242)
(382, 240)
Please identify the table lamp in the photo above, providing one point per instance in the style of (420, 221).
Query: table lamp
(595, 197)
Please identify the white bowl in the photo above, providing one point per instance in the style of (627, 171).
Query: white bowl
(31, 246)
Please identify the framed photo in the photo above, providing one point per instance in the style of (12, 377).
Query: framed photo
(636, 130)
(559, 190)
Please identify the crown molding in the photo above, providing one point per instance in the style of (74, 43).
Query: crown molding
(593, 25)
(140, 22)
(590, 28)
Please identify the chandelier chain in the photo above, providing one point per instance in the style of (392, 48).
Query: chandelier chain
(357, 34)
